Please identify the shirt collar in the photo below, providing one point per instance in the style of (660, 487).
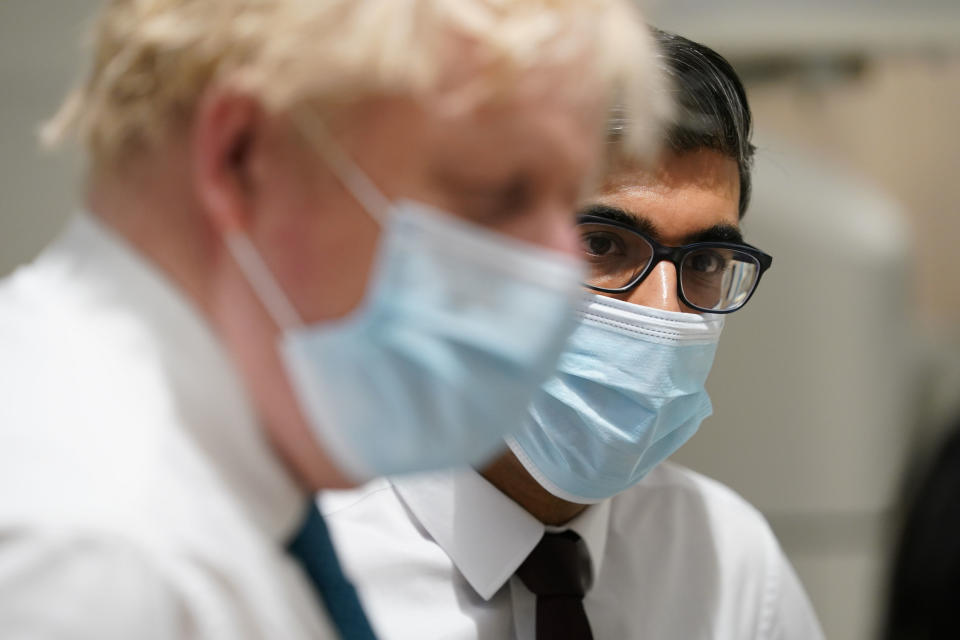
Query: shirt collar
(592, 526)
(210, 400)
(485, 534)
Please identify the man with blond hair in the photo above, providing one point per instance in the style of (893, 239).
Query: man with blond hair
(322, 240)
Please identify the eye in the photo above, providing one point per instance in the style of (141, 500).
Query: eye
(491, 205)
(706, 262)
(600, 244)
(487, 195)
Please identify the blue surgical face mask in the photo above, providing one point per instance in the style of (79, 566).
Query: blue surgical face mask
(629, 391)
(459, 328)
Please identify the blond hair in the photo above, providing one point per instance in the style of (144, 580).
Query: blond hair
(153, 59)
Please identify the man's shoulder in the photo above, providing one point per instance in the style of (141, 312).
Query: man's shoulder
(689, 510)
(92, 586)
(64, 343)
(88, 428)
(678, 488)
(701, 535)
(60, 584)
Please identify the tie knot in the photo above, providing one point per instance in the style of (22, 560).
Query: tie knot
(558, 566)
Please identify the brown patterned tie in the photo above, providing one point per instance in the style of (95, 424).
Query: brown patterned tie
(557, 572)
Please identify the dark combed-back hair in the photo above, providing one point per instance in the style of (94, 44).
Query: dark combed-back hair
(711, 105)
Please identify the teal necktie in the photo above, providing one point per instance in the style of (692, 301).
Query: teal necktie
(314, 550)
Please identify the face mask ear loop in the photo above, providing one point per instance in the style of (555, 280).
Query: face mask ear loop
(360, 186)
(258, 275)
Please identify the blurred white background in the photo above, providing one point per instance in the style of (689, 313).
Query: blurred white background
(845, 365)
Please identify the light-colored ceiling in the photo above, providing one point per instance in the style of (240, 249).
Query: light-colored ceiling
(800, 28)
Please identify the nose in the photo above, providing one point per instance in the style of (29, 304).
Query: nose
(658, 289)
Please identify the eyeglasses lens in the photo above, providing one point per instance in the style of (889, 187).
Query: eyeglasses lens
(711, 278)
(718, 279)
(614, 256)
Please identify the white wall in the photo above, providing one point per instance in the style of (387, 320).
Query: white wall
(39, 45)
(813, 383)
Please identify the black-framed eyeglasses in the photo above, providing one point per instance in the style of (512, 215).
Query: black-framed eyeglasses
(712, 277)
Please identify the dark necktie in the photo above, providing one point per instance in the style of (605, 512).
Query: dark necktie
(314, 550)
(557, 572)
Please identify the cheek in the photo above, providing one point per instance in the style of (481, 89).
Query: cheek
(322, 257)
(316, 239)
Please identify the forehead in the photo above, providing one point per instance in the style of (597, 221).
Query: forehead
(525, 123)
(482, 105)
(527, 130)
(464, 116)
(685, 193)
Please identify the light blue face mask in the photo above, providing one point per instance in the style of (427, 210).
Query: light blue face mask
(459, 328)
(628, 393)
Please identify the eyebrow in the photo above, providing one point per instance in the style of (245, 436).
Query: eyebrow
(621, 216)
(717, 233)
(722, 232)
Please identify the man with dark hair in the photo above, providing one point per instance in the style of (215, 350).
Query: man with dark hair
(714, 113)
(579, 531)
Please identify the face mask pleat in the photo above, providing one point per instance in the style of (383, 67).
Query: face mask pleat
(459, 327)
(628, 393)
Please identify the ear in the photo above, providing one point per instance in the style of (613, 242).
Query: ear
(225, 129)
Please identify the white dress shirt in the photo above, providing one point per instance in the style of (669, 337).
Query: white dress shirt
(138, 496)
(677, 557)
